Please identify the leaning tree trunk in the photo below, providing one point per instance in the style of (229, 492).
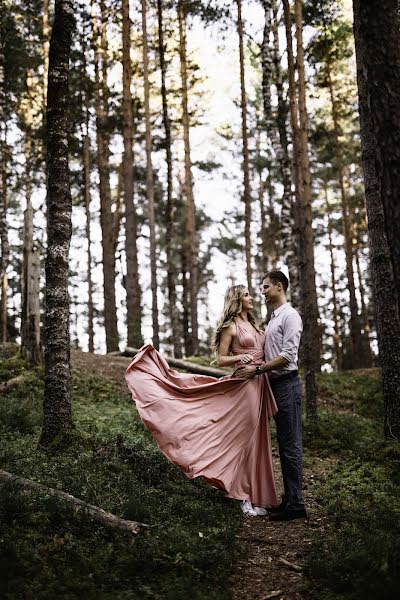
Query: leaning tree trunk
(245, 164)
(377, 41)
(103, 152)
(132, 285)
(190, 224)
(171, 263)
(150, 184)
(57, 403)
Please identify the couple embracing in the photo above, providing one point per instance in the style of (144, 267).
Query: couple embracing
(218, 429)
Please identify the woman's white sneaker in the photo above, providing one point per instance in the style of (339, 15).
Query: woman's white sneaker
(247, 508)
(261, 512)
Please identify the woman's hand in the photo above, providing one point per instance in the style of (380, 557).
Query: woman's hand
(244, 359)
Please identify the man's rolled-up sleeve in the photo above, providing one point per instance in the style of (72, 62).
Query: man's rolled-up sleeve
(292, 330)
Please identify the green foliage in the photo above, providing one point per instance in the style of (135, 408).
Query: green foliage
(48, 550)
(358, 556)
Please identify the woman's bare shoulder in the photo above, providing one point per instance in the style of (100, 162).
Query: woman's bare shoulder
(230, 329)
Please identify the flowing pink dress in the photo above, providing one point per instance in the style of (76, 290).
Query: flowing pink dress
(213, 428)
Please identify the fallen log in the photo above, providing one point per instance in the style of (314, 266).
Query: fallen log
(97, 514)
(177, 363)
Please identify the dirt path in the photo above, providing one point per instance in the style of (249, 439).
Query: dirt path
(259, 573)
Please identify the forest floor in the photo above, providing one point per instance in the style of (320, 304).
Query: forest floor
(259, 570)
(201, 546)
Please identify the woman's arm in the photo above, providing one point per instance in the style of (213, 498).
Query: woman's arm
(224, 359)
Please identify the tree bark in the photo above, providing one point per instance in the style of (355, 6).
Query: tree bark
(355, 329)
(377, 41)
(366, 345)
(171, 269)
(132, 285)
(270, 61)
(190, 224)
(337, 341)
(30, 309)
(97, 514)
(150, 184)
(106, 216)
(46, 44)
(309, 308)
(86, 175)
(57, 402)
(245, 163)
(4, 259)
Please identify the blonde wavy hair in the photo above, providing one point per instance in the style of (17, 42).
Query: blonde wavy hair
(232, 308)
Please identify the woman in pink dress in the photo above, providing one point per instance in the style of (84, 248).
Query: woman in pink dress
(214, 428)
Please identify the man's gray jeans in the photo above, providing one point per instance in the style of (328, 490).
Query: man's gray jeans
(287, 394)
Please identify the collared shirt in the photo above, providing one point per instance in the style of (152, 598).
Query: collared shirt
(282, 338)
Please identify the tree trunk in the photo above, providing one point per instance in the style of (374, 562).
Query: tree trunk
(3, 193)
(106, 217)
(57, 402)
(366, 345)
(30, 313)
(97, 514)
(337, 341)
(245, 164)
(270, 61)
(190, 224)
(181, 364)
(355, 329)
(86, 173)
(309, 308)
(46, 44)
(171, 268)
(288, 226)
(150, 184)
(132, 285)
(376, 31)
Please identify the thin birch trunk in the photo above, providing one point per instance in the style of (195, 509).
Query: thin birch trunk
(30, 313)
(337, 340)
(190, 223)
(46, 45)
(245, 163)
(171, 268)
(4, 259)
(150, 184)
(366, 346)
(132, 285)
(106, 219)
(87, 198)
(57, 403)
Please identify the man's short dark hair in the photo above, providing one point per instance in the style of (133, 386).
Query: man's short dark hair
(277, 277)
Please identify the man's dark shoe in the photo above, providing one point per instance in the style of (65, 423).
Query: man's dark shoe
(289, 514)
(278, 509)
